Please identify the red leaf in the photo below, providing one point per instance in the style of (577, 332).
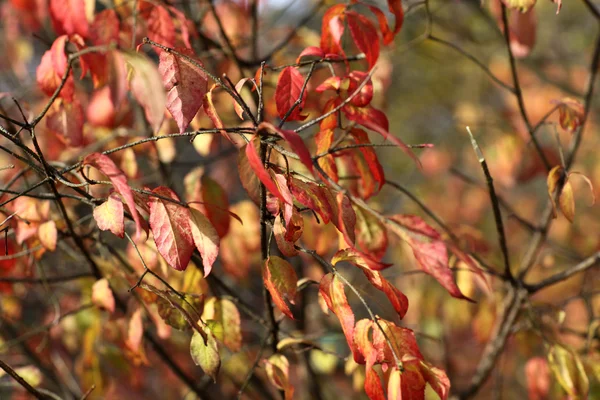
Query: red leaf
(429, 250)
(211, 112)
(311, 51)
(364, 35)
(69, 17)
(109, 216)
(295, 142)
(287, 92)
(170, 225)
(331, 289)
(280, 280)
(537, 374)
(52, 68)
(213, 203)
(332, 29)
(285, 246)
(66, 120)
(344, 217)
(364, 97)
(205, 238)
(147, 88)
(398, 300)
(372, 355)
(395, 7)
(375, 168)
(261, 172)
(313, 196)
(105, 28)
(185, 83)
(376, 120)
(105, 165)
(571, 113)
(161, 28)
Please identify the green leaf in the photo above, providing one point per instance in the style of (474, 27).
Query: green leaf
(206, 354)
(568, 370)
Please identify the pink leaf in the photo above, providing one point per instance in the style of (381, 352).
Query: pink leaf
(105, 165)
(185, 83)
(109, 216)
(364, 35)
(170, 225)
(205, 238)
(69, 17)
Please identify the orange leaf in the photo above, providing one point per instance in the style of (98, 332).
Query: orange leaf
(280, 280)
(102, 295)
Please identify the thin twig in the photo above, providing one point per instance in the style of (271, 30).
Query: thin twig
(495, 207)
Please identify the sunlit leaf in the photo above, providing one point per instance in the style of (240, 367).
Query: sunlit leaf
(206, 354)
(288, 91)
(280, 280)
(102, 296)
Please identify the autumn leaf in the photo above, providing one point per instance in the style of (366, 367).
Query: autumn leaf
(206, 354)
(280, 279)
(147, 88)
(571, 113)
(537, 374)
(364, 35)
(331, 289)
(398, 300)
(161, 28)
(225, 314)
(278, 370)
(185, 83)
(521, 5)
(102, 295)
(105, 165)
(287, 92)
(69, 17)
(109, 216)
(205, 238)
(51, 69)
(66, 119)
(105, 28)
(332, 29)
(170, 225)
(47, 233)
(257, 166)
(295, 141)
(428, 248)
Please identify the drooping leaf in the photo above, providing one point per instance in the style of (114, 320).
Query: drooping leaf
(211, 111)
(105, 165)
(364, 35)
(174, 317)
(186, 85)
(568, 371)
(224, 313)
(210, 198)
(571, 113)
(170, 225)
(372, 355)
(262, 174)
(51, 69)
(161, 28)
(147, 88)
(371, 234)
(428, 248)
(206, 354)
(332, 29)
(566, 201)
(205, 238)
(280, 280)
(331, 289)
(102, 296)
(47, 233)
(295, 142)
(315, 197)
(344, 217)
(398, 300)
(376, 120)
(278, 370)
(69, 17)
(288, 91)
(109, 216)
